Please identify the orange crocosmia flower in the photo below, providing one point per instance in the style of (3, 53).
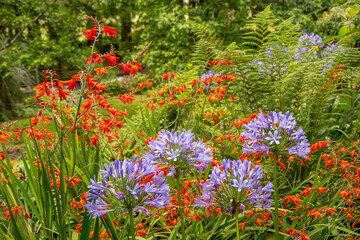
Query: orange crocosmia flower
(131, 67)
(241, 121)
(4, 136)
(42, 89)
(63, 94)
(172, 223)
(161, 103)
(234, 152)
(329, 163)
(141, 232)
(281, 164)
(220, 62)
(17, 209)
(148, 84)
(181, 103)
(90, 34)
(296, 200)
(296, 233)
(322, 189)
(353, 153)
(193, 82)
(100, 71)
(27, 215)
(319, 145)
(242, 225)
(72, 83)
(316, 213)
(126, 98)
(140, 225)
(95, 140)
(306, 191)
(258, 221)
(75, 204)
(95, 58)
(109, 31)
(104, 235)
(167, 75)
(91, 81)
(195, 216)
(2, 156)
(214, 163)
(150, 106)
(111, 58)
(344, 194)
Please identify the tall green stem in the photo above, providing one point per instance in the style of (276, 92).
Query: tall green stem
(132, 229)
(276, 213)
(180, 206)
(237, 222)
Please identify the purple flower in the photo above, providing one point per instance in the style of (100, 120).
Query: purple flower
(270, 66)
(275, 132)
(180, 151)
(129, 184)
(235, 184)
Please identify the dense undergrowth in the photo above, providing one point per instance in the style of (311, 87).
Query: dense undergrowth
(258, 141)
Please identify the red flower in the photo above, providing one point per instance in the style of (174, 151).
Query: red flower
(111, 58)
(95, 58)
(100, 71)
(91, 34)
(95, 140)
(126, 98)
(109, 30)
(63, 94)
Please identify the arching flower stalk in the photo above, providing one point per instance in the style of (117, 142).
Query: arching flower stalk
(182, 153)
(235, 185)
(129, 185)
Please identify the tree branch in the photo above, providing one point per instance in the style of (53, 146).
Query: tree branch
(23, 29)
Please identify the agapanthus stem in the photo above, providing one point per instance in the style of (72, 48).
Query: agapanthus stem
(276, 198)
(180, 207)
(132, 228)
(237, 223)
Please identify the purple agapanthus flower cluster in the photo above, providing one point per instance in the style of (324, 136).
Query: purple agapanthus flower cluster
(275, 132)
(307, 41)
(270, 67)
(235, 184)
(179, 150)
(129, 184)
